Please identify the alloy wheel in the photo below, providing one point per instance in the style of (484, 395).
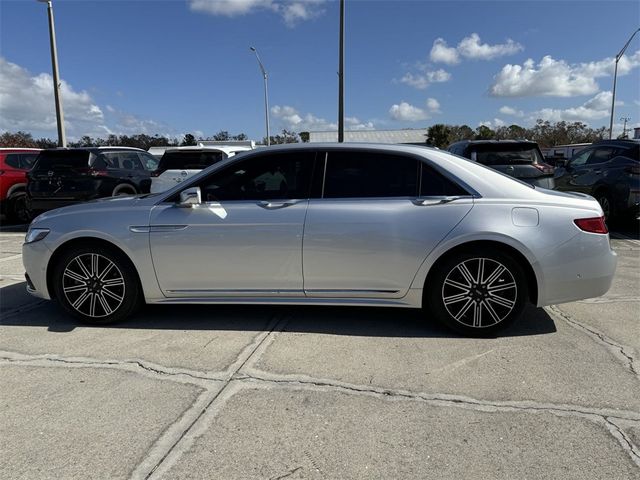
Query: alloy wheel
(479, 292)
(93, 285)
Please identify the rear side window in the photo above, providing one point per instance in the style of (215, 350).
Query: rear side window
(353, 174)
(434, 184)
(62, 160)
(189, 160)
(13, 160)
(27, 160)
(122, 160)
(506, 154)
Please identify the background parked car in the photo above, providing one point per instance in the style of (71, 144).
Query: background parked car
(609, 170)
(14, 165)
(66, 176)
(179, 163)
(521, 159)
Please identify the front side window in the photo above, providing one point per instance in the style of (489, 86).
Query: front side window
(600, 155)
(148, 161)
(581, 158)
(352, 174)
(266, 177)
(27, 160)
(123, 160)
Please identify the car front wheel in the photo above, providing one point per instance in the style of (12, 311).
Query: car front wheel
(96, 284)
(477, 293)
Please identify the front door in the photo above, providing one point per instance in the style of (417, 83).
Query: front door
(244, 239)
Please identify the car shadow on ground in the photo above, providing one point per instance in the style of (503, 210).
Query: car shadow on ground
(19, 309)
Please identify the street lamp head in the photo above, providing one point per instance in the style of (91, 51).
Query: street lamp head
(250, 48)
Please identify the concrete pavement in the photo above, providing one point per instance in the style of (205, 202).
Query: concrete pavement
(291, 392)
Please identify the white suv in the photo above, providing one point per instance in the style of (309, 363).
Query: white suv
(180, 163)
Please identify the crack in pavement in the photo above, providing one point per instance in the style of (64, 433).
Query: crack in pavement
(22, 309)
(624, 440)
(619, 351)
(180, 436)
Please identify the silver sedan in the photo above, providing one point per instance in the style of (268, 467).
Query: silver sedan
(328, 224)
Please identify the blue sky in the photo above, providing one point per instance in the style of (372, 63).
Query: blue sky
(171, 67)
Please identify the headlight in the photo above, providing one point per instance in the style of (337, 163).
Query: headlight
(36, 234)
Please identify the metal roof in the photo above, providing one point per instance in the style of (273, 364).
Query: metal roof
(417, 135)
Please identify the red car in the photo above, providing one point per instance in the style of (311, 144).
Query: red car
(14, 165)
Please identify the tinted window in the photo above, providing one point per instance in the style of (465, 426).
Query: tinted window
(62, 160)
(122, 160)
(506, 154)
(600, 155)
(434, 184)
(27, 160)
(189, 160)
(13, 160)
(276, 176)
(364, 174)
(148, 161)
(581, 158)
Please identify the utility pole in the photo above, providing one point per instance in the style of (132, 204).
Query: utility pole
(62, 139)
(615, 78)
(624, 129)
(341, 77)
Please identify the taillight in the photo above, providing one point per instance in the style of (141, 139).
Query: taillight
(98, 173)
(544, 167)
(155, 173)
(592, 225)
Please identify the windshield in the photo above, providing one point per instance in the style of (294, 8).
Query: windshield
(492, 154)
(189, 160)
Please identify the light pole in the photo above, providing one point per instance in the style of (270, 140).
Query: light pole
(624, 129)
(615, 77)
(341, 77)
(266, 94)
(62, 139)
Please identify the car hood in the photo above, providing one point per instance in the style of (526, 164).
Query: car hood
(101, 206)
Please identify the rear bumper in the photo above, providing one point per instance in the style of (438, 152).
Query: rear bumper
(581, 268)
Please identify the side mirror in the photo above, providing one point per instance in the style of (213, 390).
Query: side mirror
(190, 197)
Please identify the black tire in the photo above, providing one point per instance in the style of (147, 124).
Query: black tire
(124, 189)
(471, 307)
(18, 208)
(604, 199)
(110, 286)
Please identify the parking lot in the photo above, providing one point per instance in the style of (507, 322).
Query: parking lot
(305, 392)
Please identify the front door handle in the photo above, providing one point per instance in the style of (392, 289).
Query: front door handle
(275, 205)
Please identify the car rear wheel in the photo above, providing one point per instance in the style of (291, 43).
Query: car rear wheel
(97, 285)
(18, 208)
(123, 189)
(477, 293)
(604, 199)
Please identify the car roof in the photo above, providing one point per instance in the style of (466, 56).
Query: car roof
(93, 149)
(619, 141)
(18, 149)
(493, 142)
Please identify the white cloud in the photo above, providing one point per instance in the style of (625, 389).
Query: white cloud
(596, 108)
(433, 105)
(471, 47)
(506, 110)
(423, 80)
(291, 119)
(292, 11)
(407, 112)
(441, 52)
(557, 78)
(495, 123)
(26, 103)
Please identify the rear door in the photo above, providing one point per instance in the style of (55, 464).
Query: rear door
(378, 216)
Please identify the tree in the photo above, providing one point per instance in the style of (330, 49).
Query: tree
(438, 135)
(285, 137)
(484, 133)
(18, 139)
(240, 136)
(304, 136)
(460, 132)
(221, 136)
(189, 140)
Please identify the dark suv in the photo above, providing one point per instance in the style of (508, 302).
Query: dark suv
(521, 159)
(609, 170)
(64, 176)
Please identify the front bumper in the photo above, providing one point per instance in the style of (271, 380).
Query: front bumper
(35, 258)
